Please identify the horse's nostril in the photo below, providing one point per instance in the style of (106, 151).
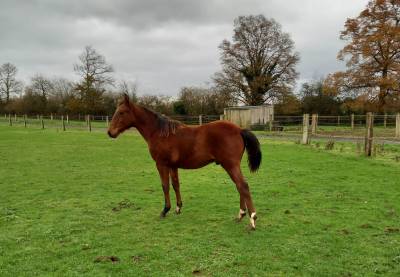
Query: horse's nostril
(109, 134)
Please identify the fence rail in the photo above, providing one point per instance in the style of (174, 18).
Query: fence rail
(336, 126)
(385, 126)
(84, 122)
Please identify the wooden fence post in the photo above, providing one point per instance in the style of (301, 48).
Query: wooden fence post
(338, 120)
(306, 118)
(221, 117)
(352, 121)
(398, 126)
(51, 116)
(200, 120)
(67, 119)
(385, 120)
(9, 119)
(41, 119)
(89, 123)
(15, 117)
(63, 123)
(314, 124)
(25, 120)
(369, 134)
(107, 121)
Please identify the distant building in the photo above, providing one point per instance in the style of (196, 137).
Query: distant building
(246, 116)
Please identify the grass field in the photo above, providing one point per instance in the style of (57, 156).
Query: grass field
(67, 198)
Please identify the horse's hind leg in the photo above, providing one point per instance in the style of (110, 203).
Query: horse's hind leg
(164, 176)
(175, 183)
(245, 197)
(242, 210)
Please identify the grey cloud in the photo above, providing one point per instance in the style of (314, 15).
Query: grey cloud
(162, 44)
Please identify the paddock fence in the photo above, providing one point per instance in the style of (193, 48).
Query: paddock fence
(344, 126)
(386, 127)
(84, 122)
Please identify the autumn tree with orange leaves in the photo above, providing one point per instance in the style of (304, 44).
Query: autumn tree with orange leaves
(372, 55)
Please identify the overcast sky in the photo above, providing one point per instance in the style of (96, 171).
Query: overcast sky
(163, 45)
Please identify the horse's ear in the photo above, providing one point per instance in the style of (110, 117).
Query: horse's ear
(126, 99)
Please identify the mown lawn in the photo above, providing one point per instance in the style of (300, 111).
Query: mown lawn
(67, 198)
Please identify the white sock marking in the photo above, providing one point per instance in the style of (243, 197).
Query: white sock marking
(252, 220)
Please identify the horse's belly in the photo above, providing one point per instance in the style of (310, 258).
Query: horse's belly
(194, 162)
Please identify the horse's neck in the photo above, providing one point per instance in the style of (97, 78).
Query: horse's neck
(146, 123)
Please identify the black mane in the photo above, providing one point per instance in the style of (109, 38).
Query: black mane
(165, 125)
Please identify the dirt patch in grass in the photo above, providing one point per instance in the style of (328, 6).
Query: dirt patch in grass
(344, 232)
(102, 259)
(366, 226)
(136, 259)
(390, 230)
(124, 204)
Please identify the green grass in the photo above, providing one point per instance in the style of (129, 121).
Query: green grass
(321, 213)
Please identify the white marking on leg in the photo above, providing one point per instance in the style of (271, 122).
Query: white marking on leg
(242, 213)
(178, 210)
(253, 218)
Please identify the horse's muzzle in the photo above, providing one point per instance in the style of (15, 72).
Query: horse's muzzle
(111, 135)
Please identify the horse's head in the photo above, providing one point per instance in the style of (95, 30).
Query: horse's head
(123, 118)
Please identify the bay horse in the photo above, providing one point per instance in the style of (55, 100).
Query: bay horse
(174, 145)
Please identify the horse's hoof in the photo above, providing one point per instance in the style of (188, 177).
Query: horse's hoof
(178, 210)
(251, 227)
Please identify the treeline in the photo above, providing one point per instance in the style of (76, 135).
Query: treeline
(258, 66)
(97, 92)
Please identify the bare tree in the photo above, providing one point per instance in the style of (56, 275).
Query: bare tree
(198, 100)
(159, 103)
(41, 86)
(62, 88)
(95, 75)
(129, 88)
(8, 83)
(259, 63)
(93, 68)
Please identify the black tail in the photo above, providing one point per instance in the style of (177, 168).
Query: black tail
(252, 146)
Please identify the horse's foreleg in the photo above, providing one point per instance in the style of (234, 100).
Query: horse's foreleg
(245, 197)
(175, 183)
(164, 176)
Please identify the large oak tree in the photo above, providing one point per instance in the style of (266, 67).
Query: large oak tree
(259, 64)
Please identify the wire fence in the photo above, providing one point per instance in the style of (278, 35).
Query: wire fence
(84, 122)
(385, 126)
(350, 126)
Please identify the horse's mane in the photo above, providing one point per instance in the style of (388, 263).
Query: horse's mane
(165, 125)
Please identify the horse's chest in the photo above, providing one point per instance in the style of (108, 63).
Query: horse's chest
(165, 153)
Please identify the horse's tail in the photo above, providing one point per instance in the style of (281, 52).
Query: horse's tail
(252, 146)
